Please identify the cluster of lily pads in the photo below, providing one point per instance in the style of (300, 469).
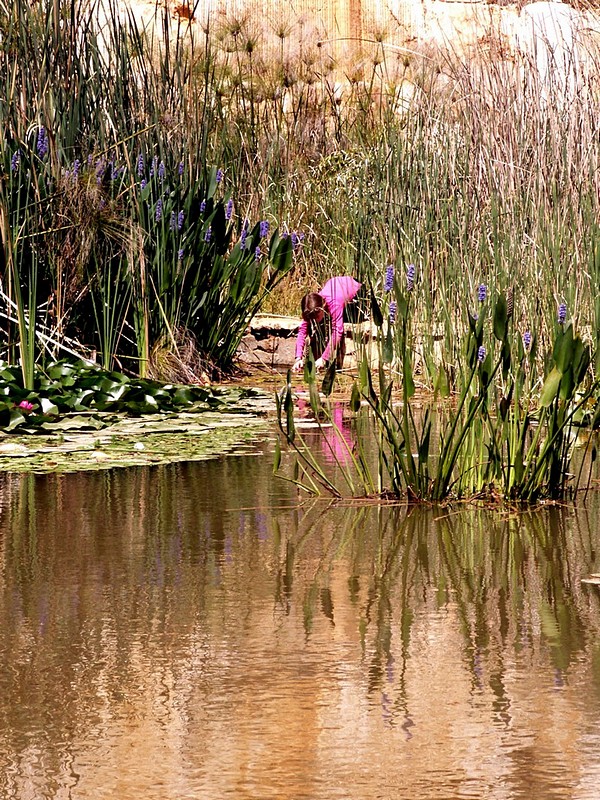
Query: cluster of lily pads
(82, 389)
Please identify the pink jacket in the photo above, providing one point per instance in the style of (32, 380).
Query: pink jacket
(336, 293)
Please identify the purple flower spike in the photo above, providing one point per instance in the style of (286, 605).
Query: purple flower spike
(76, 168)
(143, 183)
(229, 209)
(42, 142)
(257, 254)
(208, 234)
(161, 171)
(389, 278)
(180, 168)
(202, 206)
(159, 209)
(180, 219)
(527, 340)
(562, 313)
(393, 311)
(481, 354)
(173, 221)
(410, 277)
(15, 161)
(180, 255)
(264, 229)
(482, 292)
(140, 165)
(243, 239)
(219, 176)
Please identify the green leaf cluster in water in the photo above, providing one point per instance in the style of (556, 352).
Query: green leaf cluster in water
(153, 439)
(80, 417)
(91, 396)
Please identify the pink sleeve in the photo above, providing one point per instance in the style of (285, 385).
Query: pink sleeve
(302, 331)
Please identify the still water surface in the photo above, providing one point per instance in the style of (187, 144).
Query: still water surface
(190, 631)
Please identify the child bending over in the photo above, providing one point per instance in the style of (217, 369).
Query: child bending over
(323, 320)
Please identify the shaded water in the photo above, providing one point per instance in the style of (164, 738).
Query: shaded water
(188, 631)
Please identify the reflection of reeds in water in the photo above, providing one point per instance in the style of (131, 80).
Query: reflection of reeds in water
(509, 584)
(145, 611)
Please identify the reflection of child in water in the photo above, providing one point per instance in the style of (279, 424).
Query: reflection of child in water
(323, 319)
(336, 440)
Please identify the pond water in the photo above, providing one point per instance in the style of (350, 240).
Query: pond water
(192, 631)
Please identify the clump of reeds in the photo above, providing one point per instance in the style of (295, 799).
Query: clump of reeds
(503, 436)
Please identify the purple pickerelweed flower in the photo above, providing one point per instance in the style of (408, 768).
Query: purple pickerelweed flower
(264, 229)
(243, 236)
(42, 142)
(76, 169)
(229, 209)
(153, 166)
(140, 165)
(143, 183)
(257, 254)
(202, 206)
(410, 277)
(161, 171)
(180, 219)
(173, 221)
(393, 311)
(562, 313)
(482, 292)
(180, 168)
(219, 176)
(180, 255)
(159, 209)
(295, 241)
(481, 354)
(389, 278)
(208, 234)
(527, 340)
(15, 161)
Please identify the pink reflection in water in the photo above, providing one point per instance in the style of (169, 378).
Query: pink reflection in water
(335, 440)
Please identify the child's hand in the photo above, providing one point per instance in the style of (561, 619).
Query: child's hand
(320, 363)
(298, 365)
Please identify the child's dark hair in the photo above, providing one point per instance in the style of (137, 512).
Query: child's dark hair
(311, 304)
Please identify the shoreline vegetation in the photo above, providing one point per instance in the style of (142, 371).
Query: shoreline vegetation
(159, 190)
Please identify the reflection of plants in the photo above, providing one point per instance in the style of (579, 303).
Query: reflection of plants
(504, 580)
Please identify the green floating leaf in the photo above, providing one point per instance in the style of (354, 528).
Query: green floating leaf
(16, 419)
(48, 407)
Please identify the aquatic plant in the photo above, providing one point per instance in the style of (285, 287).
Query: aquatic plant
(501, 438)
(87, 396)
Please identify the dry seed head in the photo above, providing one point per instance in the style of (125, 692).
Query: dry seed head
(510, 303)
